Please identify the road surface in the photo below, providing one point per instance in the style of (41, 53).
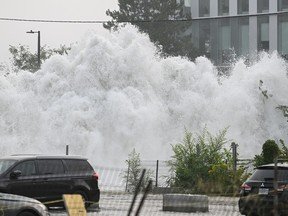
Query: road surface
(119, 203)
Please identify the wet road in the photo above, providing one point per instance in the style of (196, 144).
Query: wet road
(118, 204)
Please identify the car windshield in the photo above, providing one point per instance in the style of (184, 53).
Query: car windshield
(5, 164)
(267, 174)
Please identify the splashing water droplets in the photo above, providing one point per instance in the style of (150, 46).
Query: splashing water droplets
(113, 93)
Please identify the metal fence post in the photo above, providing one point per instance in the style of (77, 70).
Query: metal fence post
(275, 184)
(234, 154)
(157, 169)
(67, 149)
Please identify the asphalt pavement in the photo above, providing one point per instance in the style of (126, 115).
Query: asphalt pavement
(119, 204)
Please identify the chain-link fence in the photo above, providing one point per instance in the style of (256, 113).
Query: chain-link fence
(264, 193)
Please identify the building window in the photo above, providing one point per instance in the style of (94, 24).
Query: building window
(243, 6)
(262, 6)
(223, 7)
(187, 3)
(283, 5)
(204, 8)
(201, 37)
(283, 35)
(224, 48)
(263, 33)
(244, 36)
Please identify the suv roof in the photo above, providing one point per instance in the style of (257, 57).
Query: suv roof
(281, 165)
(40, 156)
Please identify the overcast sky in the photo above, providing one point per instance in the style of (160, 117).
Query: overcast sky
(52, 34)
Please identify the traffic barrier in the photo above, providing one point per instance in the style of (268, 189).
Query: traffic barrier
(74, 205)
(185, 203)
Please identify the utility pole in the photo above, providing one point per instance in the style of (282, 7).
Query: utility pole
(38, 54)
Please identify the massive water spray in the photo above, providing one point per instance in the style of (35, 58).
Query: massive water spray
(113, 93)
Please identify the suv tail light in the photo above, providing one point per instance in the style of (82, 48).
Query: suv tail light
(282, 187)
(246, 187)
(95, 176)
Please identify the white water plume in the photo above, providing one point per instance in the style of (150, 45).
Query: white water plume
(113, 93)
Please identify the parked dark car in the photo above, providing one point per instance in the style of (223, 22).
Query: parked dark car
(257, 195)
(47, 178)
(14, 205)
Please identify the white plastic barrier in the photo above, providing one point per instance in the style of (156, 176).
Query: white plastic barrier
(185, 203)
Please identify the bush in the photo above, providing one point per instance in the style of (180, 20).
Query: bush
(201, 164)
(270, 151)
(134, 171)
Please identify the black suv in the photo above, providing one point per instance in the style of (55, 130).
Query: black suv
(258, 196)
(47, 178)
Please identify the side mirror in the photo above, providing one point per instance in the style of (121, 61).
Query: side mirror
(15, 174)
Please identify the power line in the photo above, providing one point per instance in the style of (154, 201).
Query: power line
(50, 21)
(141, 21)
(89, 21)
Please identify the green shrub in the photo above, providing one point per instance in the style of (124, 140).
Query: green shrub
(202, 164)
(133, 174)
(270, 151)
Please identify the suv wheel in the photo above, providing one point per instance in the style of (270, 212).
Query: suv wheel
(26, 214)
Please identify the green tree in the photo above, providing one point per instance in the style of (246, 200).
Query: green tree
(133, 174)
(202, 164)
(159, 20)
(270, 151)
(23, 59)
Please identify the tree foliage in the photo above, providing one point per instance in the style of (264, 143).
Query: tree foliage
(133, 174)
(270, 151)
(159, 20)
(282, 108)
(202, 164)
(23, 59)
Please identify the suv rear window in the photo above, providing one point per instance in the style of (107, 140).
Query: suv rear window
(50, 166)
(267, 174)
(77, 166)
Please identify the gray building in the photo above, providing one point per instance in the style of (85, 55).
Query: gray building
(221, 28)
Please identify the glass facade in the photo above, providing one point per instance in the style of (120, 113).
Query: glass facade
(262, 6)
(243, 36)
(221, 38)
(283, 5)
(201, 37)
(263, 33)
(223, 7)
(204, 8)
(243, 6)
(224, 42)
(283, 34)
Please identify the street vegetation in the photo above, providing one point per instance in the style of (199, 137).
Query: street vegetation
(165, 22)
(202, 164)
(23, 59)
